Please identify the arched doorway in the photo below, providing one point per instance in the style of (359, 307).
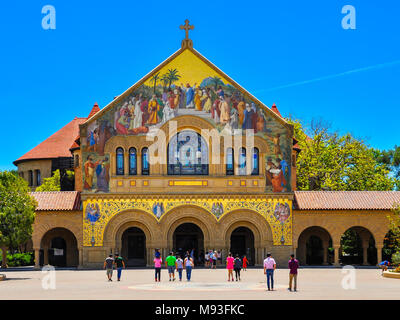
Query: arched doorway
(242, 243)
(133, 247)
(358, 247)
(59, 248)
(315, 247)
(186, 237)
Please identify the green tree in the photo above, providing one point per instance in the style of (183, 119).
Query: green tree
(164, 79)
(329, 161)
(216, 81)
(172, 76)
(17, 212)
(391, 158)
(59, 181)
(154, 80)
(394, 223)
(51, 184)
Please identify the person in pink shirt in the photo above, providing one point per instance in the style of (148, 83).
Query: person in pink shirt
(269, 267)
(229, 265)
(157, 266)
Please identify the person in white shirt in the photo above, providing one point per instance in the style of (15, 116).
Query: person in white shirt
(269, 267)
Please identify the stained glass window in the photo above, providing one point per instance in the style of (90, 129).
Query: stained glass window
(30, 177)
(145, 162)
(132, 161)
(242, 161)
(120, 161)
(255, 167)
(229, 162)
(187, 154)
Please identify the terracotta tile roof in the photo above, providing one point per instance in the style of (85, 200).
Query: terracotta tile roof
(57, 145)
(95, 109)
(274, 108)
(57, 200)
(346, 200)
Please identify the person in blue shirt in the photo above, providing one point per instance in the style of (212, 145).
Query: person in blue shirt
(384, 265)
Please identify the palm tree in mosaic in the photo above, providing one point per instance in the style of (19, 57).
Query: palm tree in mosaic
(154, 80)
(173, 76)
(165, 80)
(216, 81)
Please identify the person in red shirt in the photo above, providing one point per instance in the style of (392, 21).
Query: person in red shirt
(245, 263)
(293, 266)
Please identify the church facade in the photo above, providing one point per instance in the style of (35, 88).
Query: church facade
(188, 159)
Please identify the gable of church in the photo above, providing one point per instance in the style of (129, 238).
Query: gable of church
(186, 84)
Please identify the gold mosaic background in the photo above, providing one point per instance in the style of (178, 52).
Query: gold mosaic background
(93, 232)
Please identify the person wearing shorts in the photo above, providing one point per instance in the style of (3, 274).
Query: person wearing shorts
(170, 263)
(206, 257)
(108, 265)
(215, 257)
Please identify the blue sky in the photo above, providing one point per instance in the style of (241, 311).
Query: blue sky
(272, 48)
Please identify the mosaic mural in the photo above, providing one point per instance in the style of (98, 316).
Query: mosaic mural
(99, 212)
(185, 86)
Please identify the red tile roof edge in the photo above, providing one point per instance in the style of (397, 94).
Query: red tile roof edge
(345, 200)
(50, 201)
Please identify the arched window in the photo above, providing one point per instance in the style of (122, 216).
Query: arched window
(30, 178)
(255, 163)
(230, 169)
(38, 178)
(120, 161)
(242, 162)
(132, 161)
(145, 162)
(187, 154)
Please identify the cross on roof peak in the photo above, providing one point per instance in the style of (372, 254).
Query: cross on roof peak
(187, 42)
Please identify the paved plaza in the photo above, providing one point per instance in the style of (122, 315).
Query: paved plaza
(313, 283)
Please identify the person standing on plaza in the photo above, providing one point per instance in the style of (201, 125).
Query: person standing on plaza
(189, 265)
(229, 266)
(293, 266)
(219, 257)
(108, 265)
(211, 257)
(119, 262)
(214, 259)
(237, 265)
(179, 267)
(245, 261)
(170, 263)
(206, 257)
(269, 267)
(157, 265)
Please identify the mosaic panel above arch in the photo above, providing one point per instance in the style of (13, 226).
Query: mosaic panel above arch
(98, 212)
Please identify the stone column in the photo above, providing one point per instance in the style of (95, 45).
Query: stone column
(224, 255)
(336, 256)
(80, 258)
(256, 258)
(325, 256)
(365, 255)
(37, 258)
(45, 256)
(379, 253)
